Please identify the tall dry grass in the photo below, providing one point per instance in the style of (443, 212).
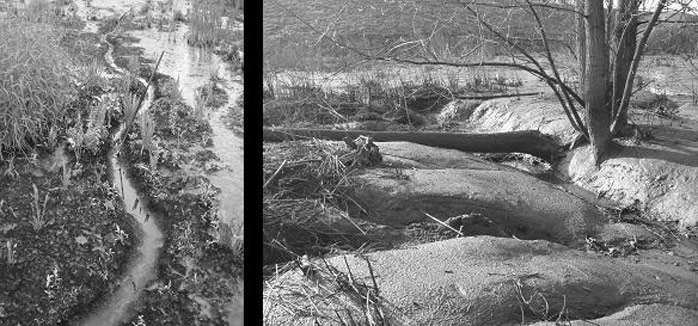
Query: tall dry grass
(35, 83)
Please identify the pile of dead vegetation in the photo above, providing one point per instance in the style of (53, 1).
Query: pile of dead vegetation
(307, 193)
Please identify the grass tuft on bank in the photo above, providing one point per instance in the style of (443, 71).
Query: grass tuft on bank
(36, 84)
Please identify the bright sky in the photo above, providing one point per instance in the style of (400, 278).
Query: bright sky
(676, 4)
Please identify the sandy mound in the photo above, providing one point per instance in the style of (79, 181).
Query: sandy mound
(542, 113)
(509, 114)
(660, 174)
(517, 204)
(475, 281)
(655, 314)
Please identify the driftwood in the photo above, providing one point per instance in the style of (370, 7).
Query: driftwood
(528, 141)
(495, 96)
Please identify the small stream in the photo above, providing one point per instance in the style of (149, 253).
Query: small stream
(143, 268)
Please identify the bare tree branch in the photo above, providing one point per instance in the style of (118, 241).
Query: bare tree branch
(577, 122)
(635, 63)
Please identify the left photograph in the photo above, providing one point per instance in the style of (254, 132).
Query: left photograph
(121, 162)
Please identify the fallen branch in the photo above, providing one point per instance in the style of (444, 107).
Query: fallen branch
(491, 97)
(527, 141)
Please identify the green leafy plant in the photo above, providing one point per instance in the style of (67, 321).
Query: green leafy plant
(53, 281)
(39, 220)
(139, 322)
(77, 135)
(11, 245)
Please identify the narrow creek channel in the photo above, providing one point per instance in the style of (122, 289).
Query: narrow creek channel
(142, 268)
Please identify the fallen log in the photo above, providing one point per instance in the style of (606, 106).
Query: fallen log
(527, 141)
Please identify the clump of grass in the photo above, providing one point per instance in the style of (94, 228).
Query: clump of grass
(93, 75)
(130, 106)
(35, 83)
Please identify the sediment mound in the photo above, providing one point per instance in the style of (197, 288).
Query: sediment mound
(654, 314)
(475, 281)
(658, 175)
(513, 202)
(544, 114)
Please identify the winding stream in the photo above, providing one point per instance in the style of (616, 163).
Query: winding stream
(142, 269)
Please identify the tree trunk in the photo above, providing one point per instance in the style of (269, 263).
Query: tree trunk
(624, 43)
(581, 45)
(529, 141)
(598, 113)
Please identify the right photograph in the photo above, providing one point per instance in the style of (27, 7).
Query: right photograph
(480, 162)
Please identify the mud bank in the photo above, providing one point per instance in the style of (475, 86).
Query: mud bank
(474, 281)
